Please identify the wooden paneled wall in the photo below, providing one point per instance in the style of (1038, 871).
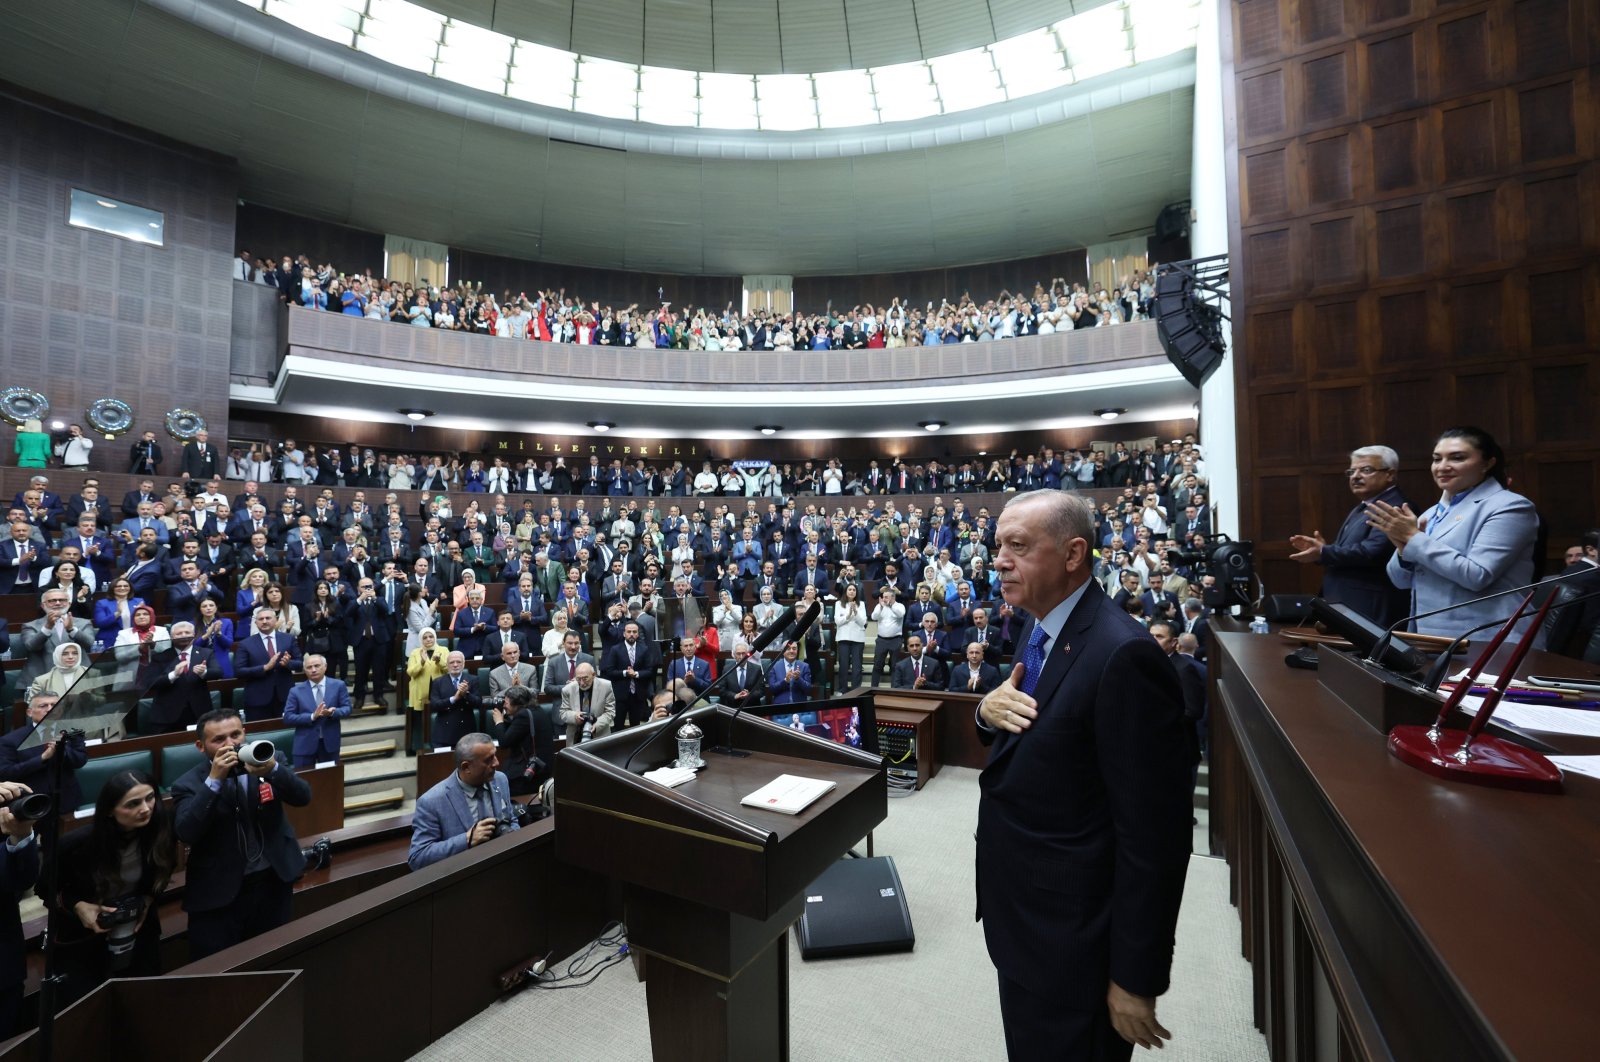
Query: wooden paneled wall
(1415, 220)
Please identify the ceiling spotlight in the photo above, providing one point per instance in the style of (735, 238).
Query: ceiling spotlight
(768, 429)
(58, 425)
(601, 425)
(1110, 413)
(415, 414)
(930, 425)
(983, 453)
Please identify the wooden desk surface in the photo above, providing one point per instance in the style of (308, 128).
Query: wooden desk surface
(1494, 889)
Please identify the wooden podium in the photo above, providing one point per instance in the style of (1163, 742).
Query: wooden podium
(711, 887)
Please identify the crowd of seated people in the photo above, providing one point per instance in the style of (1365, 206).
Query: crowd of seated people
(555, 316)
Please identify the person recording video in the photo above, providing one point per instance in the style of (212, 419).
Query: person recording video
(110, 879)
(243, 854)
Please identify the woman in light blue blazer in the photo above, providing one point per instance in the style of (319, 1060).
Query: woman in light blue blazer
(1477, 540)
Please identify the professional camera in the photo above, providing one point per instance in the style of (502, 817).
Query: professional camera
(255, 753)
(1233, 564)
(30, 807)
(121, 929)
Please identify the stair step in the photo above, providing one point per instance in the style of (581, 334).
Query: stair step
(367, 750)
(377, 799)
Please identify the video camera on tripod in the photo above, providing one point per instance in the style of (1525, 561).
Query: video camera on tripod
(1232, 563)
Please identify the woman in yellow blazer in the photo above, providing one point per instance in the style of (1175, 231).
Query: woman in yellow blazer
(426, 663)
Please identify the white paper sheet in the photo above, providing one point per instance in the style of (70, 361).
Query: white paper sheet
(1577, 721)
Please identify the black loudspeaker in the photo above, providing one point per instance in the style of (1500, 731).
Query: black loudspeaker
(1189, 330)
(857, 907)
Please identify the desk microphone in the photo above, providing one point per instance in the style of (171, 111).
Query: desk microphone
(1553, 583)
(1441, 667)
(764, 639)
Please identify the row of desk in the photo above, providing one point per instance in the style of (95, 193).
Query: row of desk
(1388, 914)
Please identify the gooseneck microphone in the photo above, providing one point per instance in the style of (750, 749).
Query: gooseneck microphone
(1441, 667)
(764, 639)
(1553, 583)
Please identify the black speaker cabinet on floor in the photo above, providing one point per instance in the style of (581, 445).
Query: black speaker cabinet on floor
(857, 907)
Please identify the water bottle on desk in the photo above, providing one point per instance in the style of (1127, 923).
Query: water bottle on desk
(1258, 625)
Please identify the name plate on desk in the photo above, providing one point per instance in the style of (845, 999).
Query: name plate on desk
(1385, 700)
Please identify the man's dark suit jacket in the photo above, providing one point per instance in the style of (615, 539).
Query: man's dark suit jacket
(28, 766)
(1084, 820)
(265, 692)
(904, 675)
(647, 662)
(200, 467)
(18, 872)
(988, 677)
(213, 824)
(452, 722)
(174, 704)
(1354, 564)
(755, 682)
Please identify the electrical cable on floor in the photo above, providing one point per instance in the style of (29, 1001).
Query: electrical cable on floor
(605, 951)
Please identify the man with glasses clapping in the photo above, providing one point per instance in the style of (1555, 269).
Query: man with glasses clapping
(1355, 559)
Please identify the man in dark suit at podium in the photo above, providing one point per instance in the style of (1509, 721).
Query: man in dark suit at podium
(1084, 819)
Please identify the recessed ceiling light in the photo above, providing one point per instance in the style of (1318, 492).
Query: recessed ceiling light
(601, 425)
(931, 425)
(1110, 413)
(768, 429)
(415, 414)
(108, 204)
(983, 453)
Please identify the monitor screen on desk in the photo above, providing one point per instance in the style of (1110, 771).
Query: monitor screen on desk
(845, 720)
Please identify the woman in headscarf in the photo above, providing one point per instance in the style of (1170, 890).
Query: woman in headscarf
(69, 667)
(425, 663)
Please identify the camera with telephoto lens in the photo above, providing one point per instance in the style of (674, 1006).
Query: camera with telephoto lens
(255, 753)
(1233, 564)
(121, 926)
(30, 807)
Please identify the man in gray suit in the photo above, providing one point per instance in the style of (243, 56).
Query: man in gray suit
(41, 636)
(587, 699)
(470, 807)
(511, 672)
(563, 668)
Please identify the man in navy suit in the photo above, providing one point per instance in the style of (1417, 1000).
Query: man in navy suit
(314, 709)
(178, 695)
(19, 870)
(789, 679)
(974, 674)
(1085, 799)
(812, 574)
(21, 560)
(687, 668)
(749, 682)
(370, 630)
(265, 664)
(1159, 602)
(243, 854)
(1354, 562)
(470, 807)
(99, 552)
(185, 595)
(144, 572)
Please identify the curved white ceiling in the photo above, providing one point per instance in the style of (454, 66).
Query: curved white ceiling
(761, 36)
(327, 132)
(1113, 36)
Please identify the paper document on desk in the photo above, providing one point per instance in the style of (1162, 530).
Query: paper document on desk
(788, 793)
(1589, 765)
(1576, 721)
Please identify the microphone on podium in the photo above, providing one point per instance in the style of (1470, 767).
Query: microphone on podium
(764, 639)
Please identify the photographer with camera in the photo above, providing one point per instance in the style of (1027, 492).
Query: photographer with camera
(110, 878)
(470, 807)
(243, 854)
(527, 736)
(32, 766)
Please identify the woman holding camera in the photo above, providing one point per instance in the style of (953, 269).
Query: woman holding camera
(527, 740)
(110, 878)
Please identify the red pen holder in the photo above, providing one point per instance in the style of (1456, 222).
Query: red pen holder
(1488, 761)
